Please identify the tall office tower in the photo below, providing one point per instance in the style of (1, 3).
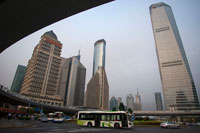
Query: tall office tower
(18, 79)
(99, 55)
(119, 100)
(72, 81)
(178, 86)
(97, 93)
(137, 105)
(130, 102)
(158, 99)
(113, 103)
(42, 76)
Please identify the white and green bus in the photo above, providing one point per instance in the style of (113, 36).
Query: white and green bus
(116, 119)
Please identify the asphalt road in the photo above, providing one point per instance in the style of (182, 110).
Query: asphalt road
(50, 127)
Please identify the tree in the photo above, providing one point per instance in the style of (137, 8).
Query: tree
(130, 110)
(114, 109)
(121, 107)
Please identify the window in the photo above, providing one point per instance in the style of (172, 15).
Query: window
(86, 117)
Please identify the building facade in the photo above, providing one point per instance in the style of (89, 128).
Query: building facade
(119, 100)
(72, 81)
(97, 93)
(130, 102)
(158, 98)
(178, 86)
(41, 80)
(113, 103)
(138, 103)
(99, 55)
(18, 78)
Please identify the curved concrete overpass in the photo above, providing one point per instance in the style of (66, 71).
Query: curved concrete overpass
(19, 18)
(17, 99)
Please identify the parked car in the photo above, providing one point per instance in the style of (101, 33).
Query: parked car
(169, 125)
(193, 124)
(67, 118)
(44, 119)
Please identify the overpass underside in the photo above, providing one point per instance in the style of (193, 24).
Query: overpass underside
(19, 18)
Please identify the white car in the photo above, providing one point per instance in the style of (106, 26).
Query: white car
(58, 120)
(44, 119)
(169, 125)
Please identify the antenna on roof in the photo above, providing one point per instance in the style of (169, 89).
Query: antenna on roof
(79, 56)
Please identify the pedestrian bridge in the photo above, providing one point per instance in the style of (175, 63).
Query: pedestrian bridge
(166, 113)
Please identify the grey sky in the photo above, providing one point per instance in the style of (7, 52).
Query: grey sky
(131, 60)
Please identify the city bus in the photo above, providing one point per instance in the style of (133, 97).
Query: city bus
(58, 117)
(116, 119)
(50, 116)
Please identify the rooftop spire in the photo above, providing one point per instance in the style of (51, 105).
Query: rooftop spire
(79, 56)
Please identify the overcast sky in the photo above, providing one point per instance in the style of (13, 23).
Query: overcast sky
(131, 60)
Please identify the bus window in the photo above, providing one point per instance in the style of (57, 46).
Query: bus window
(108, 117)
(103, 117)
(90, 117)
(82, 117)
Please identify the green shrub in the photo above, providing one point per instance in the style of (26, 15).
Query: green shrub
(147, 122)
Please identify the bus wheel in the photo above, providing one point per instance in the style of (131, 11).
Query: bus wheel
(89, 124)
(116, 125)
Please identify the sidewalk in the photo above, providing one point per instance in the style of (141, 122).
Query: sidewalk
(15, 123)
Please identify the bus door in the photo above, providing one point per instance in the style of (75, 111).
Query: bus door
(124, 120)
(97, 120)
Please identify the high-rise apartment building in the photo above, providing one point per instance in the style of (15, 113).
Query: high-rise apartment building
(119, 100)
(41, 80)
(130, 102)
(113, 103)
(72, 81)
(97, 93)
(178, 86)
(158, 99)
(137, 104)
(99, 55)
(18, 79)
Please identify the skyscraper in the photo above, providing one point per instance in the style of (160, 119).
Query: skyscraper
(99, 55)
(41, 80)
(113, 103)
(72, 81)
(138, 104)
(97, 93)
(178, 86)
(130, 102)
(158, 99)
(119, 100)
(18, 79)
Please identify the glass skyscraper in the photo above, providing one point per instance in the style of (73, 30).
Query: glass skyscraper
(99, 55)
(113, 103)
(18, 79)
(130, 102)
(158, 99)
(178, 86)
(97, 93)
